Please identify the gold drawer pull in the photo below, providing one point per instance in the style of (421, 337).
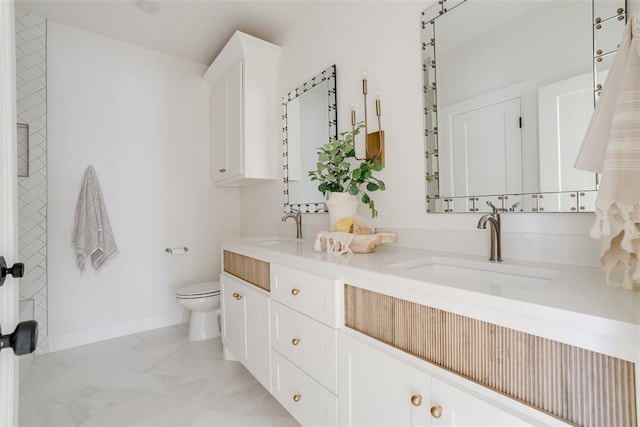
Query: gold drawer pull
(223, 170)
(297, 397)
(295, 291)
(295, 341)
(237, 296)
(436, 411)
(416, 400)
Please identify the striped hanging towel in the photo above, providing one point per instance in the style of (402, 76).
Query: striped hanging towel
(612, 148)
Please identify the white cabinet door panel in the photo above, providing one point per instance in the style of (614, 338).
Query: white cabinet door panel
(377, 390)
(460, 408)
(258, 343)
(235, 137)
(233, 316)
(219, 131)
(245, 326)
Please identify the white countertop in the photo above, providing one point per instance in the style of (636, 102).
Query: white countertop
(570, 304)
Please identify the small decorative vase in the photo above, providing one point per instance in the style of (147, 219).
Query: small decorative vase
(341, 205)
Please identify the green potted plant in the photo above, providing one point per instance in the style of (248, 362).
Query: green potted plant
(338, 173)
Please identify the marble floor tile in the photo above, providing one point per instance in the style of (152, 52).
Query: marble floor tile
(271, 408)
(57, 411)
(245, 397)
(156, 378)
(226, 419)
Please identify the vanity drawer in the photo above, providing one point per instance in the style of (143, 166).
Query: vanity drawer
(310, 345)
(310, 294)
(304, 398)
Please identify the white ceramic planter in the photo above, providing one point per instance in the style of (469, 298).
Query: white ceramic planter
(341, 205)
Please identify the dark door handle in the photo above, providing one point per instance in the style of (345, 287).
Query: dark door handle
(16, 270)
(23, 340)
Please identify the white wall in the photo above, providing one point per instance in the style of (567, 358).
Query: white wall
(384, 39)
(142, 119)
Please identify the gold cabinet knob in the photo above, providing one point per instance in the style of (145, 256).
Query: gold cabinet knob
(436, 411)
(295, 341)
(297, 397)
(222, 170)
(416, 400)
(237, 296)
(295, 291)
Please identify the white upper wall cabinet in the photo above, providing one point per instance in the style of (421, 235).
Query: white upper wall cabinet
(245, 111)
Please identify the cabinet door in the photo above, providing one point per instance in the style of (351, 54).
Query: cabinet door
(233, 316)
(219, 132)
(227, 152)
(235, 121)
(245, 326)
(258, 343)
(378, 390)
(454, 407)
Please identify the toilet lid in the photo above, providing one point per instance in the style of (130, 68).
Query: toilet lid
(199, 290)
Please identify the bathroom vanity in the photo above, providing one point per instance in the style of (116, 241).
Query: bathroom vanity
(413, 337)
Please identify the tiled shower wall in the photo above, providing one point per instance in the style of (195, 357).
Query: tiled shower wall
(31, 85)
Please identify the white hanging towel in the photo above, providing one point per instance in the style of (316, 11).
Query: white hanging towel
(92, 235)
(612, 148)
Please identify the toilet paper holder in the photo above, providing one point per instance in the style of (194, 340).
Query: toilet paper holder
(177, 251)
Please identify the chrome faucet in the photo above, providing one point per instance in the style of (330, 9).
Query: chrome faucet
(297, 216)
(494, 220)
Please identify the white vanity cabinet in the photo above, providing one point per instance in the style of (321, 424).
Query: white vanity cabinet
(304, 344)
(378, 389)
(245, 326)
(245, 118)
(351, 346)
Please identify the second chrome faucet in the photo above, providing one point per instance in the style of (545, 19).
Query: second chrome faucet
(494, 222)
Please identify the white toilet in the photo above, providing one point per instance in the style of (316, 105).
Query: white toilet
(203, 300)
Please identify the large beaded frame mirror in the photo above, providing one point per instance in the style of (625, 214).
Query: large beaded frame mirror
(606, 15)
(307, 203)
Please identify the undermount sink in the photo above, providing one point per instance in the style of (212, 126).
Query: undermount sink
(271, 241)
(476, 271)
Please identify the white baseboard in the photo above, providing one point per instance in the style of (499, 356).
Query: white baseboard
(77, 338)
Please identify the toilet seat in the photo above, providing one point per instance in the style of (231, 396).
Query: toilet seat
(199, 290)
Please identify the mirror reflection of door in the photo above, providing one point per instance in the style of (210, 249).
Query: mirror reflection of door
(487, 149)
(565, 108)
(481, 142)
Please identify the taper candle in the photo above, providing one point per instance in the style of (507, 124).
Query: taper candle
(353, 114)
(364, 83)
